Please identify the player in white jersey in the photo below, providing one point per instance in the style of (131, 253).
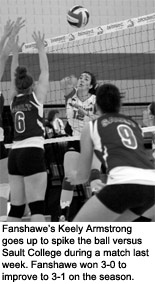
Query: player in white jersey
(10, 30)
(80, 109)
(149, 115)
(26, 164)
(118, 142)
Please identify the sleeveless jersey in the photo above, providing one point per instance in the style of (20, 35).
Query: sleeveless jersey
(27, 114)
(76, 120)
(118, 142)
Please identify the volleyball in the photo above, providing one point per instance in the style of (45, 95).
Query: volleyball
(78, 16)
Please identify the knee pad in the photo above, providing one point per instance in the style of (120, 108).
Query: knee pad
(66, 185)
(5, 190)
(3, 206)
(17, 211)
(37, 207)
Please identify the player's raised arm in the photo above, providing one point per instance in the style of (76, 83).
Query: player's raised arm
(14, 65)
(67, 84)
(11, 30)
(43, 82)
(7, 31)
(3, 55)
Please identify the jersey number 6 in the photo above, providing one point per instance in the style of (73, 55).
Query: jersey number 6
(20, 122)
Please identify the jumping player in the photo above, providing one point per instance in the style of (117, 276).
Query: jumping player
(118, 142)
(80, 108)
(10, 30)
(26, 165)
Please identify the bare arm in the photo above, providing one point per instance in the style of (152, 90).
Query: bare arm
(81, 175)
(3, 54)
(7, 31)
(2, 65)
(12, 31)
(67, 84)
(43, 82)
(14, 65)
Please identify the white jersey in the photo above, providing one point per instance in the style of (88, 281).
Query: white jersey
(77, 120)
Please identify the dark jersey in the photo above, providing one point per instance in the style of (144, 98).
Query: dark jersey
(27, 115)
(118, 142)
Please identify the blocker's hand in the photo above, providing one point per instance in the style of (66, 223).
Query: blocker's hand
(39, 39)
(19, 24)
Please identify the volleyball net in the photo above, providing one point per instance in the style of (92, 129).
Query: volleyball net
(122, 53)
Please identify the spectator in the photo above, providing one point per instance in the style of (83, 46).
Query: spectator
(54, 125)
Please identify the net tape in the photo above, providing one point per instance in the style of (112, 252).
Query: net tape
(149, 129)
(92, 32)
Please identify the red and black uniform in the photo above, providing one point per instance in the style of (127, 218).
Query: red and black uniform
(119, 144)
(27, 115)
(28, 145)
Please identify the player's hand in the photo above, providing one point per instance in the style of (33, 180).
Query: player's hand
(73, 80)
(19, 24)
(96, 185)
(39, 40)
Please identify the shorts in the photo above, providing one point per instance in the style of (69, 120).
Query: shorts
(73, 146)
(120, 197)
(26, 161)
(3, 151)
